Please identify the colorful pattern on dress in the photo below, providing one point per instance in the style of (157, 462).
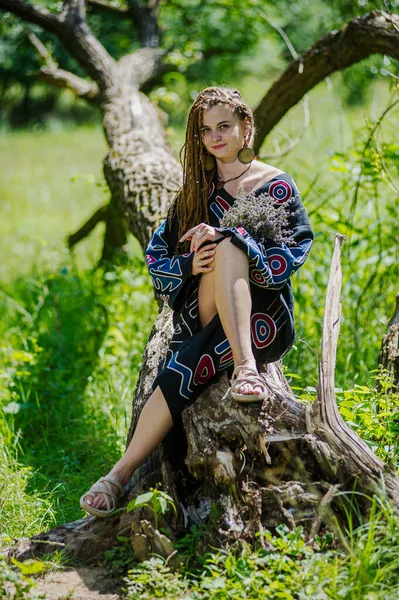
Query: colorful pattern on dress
(219, 207)
(280, 191)
(168, 272)
(196, 354)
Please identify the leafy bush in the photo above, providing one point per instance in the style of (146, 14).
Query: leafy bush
(153, 579)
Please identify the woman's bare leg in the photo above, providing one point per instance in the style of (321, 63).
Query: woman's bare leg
(226, 290)
(154, 423)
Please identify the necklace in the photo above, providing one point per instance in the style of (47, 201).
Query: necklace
(221, 182)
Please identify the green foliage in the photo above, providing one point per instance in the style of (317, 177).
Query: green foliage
(15, 583)
(209, 42)
(372, 411)
(361, 201)
(371, 565)
(157, 501)
(119, 558)
(68, 387)
(153, 579)
(24, 511)
(375, 417)
(285, 567)
(71, 337)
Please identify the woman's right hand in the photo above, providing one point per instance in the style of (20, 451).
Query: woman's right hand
(204, 259)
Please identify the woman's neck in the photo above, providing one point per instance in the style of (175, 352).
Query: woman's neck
(229, 170)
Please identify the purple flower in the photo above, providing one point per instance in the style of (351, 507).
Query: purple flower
(262, 217)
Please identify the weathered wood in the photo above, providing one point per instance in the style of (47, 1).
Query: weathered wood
(349, 459)
(389, 353)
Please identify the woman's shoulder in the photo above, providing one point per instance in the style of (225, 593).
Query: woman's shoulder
(265, 172)
(263, 177)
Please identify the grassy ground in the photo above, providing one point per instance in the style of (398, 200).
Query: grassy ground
(72, 336)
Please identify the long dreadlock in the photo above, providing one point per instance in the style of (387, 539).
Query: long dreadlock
(190, 204)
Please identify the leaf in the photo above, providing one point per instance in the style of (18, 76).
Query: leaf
(163, 504)
(29, 567)
(141, 500)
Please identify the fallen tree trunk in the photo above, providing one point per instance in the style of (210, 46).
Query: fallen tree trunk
(282, 461)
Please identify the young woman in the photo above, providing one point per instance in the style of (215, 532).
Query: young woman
(230, 293)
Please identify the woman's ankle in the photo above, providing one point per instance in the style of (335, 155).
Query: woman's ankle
(122, 472)
(246, 362)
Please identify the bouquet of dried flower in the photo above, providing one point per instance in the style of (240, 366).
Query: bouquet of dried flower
(261, 216)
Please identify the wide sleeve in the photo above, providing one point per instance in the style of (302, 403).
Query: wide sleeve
(170, 273)
(271, 264)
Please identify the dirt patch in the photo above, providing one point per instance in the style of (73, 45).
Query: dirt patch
(83, 583)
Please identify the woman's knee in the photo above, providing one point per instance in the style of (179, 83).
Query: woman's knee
(226, 251)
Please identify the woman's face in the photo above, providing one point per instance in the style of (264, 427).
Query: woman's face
(222, 133)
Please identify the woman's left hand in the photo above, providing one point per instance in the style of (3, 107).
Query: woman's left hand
(199, 234)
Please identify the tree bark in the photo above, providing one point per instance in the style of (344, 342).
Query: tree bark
(389, 353)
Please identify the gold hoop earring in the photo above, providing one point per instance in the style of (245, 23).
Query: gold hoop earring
(246, 154)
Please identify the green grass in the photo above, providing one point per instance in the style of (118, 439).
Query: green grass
(71, 367)
(71, 337)
(47, 189)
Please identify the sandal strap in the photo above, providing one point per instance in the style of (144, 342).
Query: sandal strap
(115, 482)
(239, 368)
(104, 488)
(252, 377)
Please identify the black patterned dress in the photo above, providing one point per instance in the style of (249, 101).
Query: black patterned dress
(196, 355)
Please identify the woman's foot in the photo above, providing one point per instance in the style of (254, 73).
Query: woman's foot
(120, 475)
(253, 386)
(247, 388)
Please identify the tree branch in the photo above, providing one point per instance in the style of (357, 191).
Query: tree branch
(72, 30)
(97, 217)
(33, 14)
(108, 8)
(374, 33)
(331, 324)
(74, 10)
(144, 67)
(146, 20)
(51, 73)
(65, 79)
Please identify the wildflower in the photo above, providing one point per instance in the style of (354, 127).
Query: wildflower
(262, 217)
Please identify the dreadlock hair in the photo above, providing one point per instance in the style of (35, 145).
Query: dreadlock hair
(190, 204)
